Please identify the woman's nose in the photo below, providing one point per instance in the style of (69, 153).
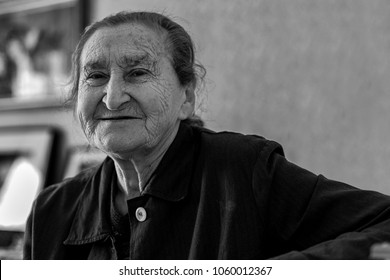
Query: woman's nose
(115, 94)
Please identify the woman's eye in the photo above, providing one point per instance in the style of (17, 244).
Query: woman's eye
(95, 76)
(138, 73)
(96, 79)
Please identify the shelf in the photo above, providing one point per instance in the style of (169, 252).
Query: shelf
(39, 102)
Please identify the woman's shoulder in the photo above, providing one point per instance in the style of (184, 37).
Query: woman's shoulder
(237, 143)
(66, 191)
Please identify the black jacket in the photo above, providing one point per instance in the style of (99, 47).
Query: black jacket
(213, 196)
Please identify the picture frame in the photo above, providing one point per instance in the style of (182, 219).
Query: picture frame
(37, 39)
(25, 164)
(23, 151)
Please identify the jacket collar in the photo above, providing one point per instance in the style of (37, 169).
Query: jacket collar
(170, 182)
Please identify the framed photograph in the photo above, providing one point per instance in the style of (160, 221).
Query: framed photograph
(37, 39)
(24, 165)
(81, 158)
(25, 155)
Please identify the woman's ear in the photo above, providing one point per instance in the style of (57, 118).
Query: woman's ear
(188, 106)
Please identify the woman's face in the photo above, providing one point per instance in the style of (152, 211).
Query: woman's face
(129, 99)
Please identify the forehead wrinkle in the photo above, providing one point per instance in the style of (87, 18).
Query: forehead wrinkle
(149, 40)
(146, 47)
(152, 46)
(94, 58)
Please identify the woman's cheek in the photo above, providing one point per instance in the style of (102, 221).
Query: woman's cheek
(85, 113)
(88, 101)
(159, 101)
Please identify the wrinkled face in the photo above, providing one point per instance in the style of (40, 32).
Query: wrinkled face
(129, 99)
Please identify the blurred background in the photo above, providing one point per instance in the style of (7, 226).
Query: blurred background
(310, 74)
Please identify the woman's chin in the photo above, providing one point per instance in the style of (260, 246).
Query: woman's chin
(119, 147)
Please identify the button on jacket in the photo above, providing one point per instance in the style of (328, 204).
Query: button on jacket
(213, 196)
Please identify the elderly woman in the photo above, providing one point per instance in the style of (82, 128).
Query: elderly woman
(170, 189)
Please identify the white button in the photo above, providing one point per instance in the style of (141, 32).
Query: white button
(140, 214)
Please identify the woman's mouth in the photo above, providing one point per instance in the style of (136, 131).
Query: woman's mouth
(118, 118)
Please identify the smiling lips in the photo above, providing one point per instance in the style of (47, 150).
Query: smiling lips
(117, 118)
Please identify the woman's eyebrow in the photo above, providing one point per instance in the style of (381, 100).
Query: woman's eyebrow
(124, 62)
(92, 65)
(134, 60)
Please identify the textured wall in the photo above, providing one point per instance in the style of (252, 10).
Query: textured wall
(311, 74)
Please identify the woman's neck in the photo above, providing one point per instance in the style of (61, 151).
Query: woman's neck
(135, 171)
(133, 177)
